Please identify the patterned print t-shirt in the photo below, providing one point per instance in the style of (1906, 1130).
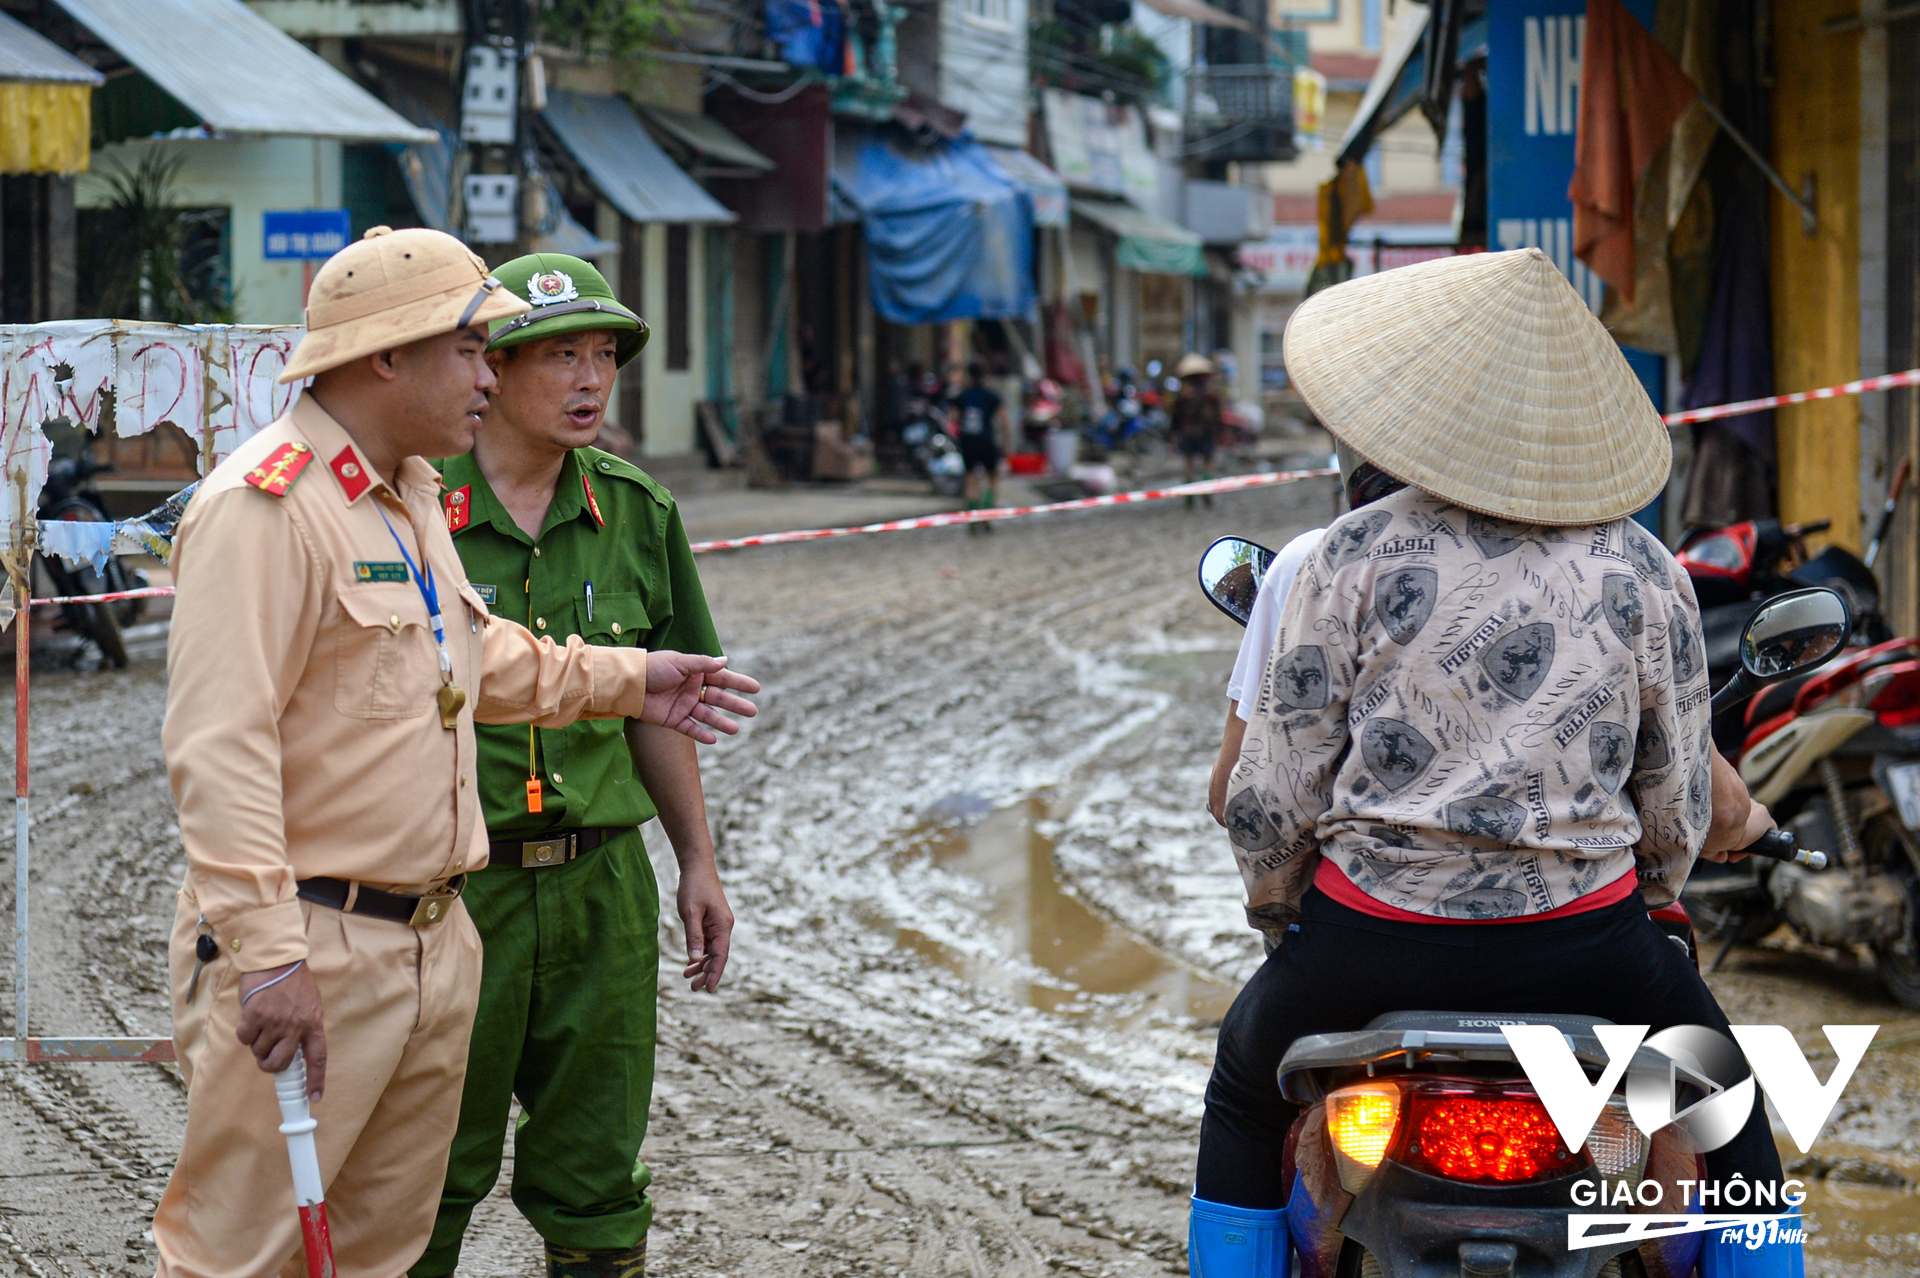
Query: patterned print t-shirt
(1476, 719)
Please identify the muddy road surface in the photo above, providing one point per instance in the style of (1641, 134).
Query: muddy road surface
(986, 933)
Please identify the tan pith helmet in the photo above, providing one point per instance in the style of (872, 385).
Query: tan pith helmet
(1194, 366)
(390, 288)
(1486, 381)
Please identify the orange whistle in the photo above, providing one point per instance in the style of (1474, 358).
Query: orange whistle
(533, 794)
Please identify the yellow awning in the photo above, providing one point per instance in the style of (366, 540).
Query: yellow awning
(45, 128)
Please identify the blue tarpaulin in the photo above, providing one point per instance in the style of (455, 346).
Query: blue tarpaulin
(949, 233)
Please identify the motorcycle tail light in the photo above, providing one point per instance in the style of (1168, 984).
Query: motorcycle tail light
(1616, 1145)
(1484, 1134)
(1893, 693)
(1361, 1122)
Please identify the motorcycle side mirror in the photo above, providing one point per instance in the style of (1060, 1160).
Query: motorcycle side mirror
(1231, 571)
(1789, 635)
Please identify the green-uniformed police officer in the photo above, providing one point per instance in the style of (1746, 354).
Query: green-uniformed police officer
(572, 540)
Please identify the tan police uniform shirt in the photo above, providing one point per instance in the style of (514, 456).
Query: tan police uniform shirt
(303, 735)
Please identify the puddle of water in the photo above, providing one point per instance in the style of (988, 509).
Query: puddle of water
(1094, 968)
(1861, 1230)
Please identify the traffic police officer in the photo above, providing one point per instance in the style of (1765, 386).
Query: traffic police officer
(327, 662)
(573, 541)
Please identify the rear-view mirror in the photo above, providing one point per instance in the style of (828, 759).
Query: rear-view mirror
(1231, 571)
(1793, 633)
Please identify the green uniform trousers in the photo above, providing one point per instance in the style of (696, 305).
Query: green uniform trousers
(566, 1024)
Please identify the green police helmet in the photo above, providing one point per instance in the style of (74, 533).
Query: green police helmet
(569, 296)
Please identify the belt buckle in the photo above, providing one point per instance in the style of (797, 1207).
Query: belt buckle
(435, 906)
(546, 852)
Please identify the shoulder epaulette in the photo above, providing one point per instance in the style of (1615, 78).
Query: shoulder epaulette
(281, 468)
(597, 462)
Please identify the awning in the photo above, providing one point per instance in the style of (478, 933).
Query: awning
(706, 136)
(949, 234)
(238, 72)
(1395, 90)
(1148, 242)
(564, 234)
(1401, 79)
(624, 161)
(27, 55)
(1047, 189)
(46, 100)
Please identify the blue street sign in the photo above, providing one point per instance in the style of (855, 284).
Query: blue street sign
(1533, 113)
(306, 234)
(1533, 108)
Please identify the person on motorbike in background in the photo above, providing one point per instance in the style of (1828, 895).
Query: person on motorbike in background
(1480, 752)
(1195, 419)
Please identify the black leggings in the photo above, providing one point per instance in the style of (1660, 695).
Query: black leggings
(1340, 968)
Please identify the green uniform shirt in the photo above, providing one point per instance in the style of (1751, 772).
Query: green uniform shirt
(646, 594)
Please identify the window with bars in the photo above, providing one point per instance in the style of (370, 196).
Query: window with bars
(992, 13)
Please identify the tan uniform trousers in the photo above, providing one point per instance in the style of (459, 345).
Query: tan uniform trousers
(399, 1006)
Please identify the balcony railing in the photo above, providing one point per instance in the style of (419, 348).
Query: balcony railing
(1240, 113)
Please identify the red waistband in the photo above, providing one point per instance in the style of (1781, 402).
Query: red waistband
(1330, 879)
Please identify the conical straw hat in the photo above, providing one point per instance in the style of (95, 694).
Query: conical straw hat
(1486, 381)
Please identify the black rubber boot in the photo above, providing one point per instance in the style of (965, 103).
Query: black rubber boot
(570, 1262)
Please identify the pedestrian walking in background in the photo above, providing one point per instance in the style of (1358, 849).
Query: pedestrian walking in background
(983, 425)
(1196, 419)
(573, 541)
(327, 663)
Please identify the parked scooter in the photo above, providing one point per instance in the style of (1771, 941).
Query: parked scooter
(1834, 755)
(1423, 1150)
(70, 493)
(927, 431)
(1129, 425)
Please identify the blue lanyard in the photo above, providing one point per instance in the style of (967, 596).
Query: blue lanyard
(428, 592)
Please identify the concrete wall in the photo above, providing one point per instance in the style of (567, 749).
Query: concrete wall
(246, 177)
(1816, 279)
(983, 66)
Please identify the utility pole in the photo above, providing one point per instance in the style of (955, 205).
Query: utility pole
(498, 181)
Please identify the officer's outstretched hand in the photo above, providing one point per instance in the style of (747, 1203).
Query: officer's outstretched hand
(279, 1014)
(696, 695)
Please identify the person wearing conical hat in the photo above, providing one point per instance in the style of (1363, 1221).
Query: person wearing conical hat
(573, 541)
(327, 664)
(1195, 419)
(1480, 750)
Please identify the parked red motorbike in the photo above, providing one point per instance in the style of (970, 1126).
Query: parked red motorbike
(1835, 755)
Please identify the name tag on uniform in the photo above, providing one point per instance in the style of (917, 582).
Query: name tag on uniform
(365, 570)
(489, 595)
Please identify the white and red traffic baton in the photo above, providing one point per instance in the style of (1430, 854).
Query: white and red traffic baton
(297, 1125)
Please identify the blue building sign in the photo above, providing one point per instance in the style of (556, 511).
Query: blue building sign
(306, 234)
(1533, 112)
(1533, 105)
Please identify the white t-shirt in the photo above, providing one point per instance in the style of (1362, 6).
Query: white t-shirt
(1264, 623)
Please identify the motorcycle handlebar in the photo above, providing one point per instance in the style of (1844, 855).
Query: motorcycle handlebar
(1778, 845)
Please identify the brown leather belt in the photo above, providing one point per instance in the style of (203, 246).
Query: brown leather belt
(397, 907)
(556, 849)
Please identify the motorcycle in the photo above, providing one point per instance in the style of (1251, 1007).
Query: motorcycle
(1130, 425)
(927, 431)
(70, 493)
(1422, 1150)
(1836, 757)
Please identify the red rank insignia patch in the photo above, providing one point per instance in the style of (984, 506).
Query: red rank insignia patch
(459, 508)
(352, 475)
(592, 505)
(282, 466)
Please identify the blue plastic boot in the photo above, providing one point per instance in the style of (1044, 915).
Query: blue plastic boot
(1236, 1242)
(1759, 1250)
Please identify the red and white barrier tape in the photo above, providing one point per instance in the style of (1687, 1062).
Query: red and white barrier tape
(1200, 488)
(1886, 381)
